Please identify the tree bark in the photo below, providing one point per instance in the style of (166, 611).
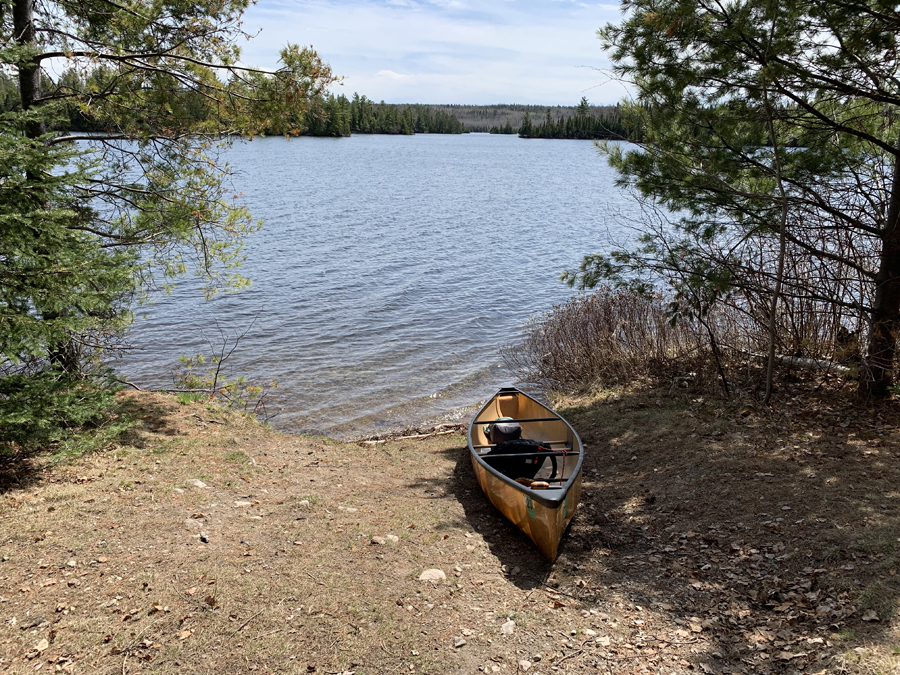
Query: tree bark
(878, 373)
(65, 355)
(29, 69)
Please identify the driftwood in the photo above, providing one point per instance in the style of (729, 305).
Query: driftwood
(805, 363)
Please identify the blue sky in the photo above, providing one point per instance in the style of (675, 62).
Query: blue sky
(447, 51)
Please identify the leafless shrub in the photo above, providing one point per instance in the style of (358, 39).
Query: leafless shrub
(610, 336)
(618, 336)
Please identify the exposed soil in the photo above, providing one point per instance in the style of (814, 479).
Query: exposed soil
(712, 538)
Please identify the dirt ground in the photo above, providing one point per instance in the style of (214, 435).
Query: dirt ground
(712, 538)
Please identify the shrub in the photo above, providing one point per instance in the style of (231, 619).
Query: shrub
(608, 337)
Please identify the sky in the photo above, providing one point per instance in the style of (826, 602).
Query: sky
(543, 52)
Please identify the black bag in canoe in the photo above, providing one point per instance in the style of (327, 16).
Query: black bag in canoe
(520, 467)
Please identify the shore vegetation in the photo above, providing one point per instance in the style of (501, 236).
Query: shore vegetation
(769, 166)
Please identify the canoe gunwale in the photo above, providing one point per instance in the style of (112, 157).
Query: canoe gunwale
(539, 496)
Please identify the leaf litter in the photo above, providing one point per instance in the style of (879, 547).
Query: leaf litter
(708, 540)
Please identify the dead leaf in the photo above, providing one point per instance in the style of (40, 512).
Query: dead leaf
(870, 615)
(191, 591)
(185, 634)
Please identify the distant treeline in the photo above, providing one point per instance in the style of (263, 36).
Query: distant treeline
(581, 121)
(340, 116)
(586, 122)
(325, 116)
(337, 116)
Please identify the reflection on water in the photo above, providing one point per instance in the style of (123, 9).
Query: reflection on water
(390, 271)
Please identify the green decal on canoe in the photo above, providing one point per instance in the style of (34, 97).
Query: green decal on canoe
(530, 506)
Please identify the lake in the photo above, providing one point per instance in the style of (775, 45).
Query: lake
(390, 272)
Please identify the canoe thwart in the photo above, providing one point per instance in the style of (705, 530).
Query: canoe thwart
(563, 442)
(528, 454)
(524, 419)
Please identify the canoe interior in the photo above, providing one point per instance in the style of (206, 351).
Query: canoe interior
(556, 434)
(543, 514)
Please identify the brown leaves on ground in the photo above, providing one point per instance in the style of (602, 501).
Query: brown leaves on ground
(708, 541)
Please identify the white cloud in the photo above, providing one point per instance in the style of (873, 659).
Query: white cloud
(391, 74)
(443, 51)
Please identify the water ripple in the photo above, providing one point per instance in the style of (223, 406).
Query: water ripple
(390, 271)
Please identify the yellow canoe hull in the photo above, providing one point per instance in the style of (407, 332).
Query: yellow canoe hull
(543, 515)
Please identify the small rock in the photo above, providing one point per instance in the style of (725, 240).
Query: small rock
(71, 563)
(42, 645)
(204, 538)
(604, 641)
(393, 538)
(178, 491)
(589, 632)
(192, 524)
(515, 571)
(197, 483)
(524, 665)
(508, 628)
(433, 575)
(470, 548)
(380, 541)
(240, 504)
(303, 504)
(537, 657)
(458, 642)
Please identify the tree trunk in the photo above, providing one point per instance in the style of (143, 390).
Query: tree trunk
(29, 69)
(66, 355)
(886, 307)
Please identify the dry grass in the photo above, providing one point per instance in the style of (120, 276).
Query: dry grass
(710, 541)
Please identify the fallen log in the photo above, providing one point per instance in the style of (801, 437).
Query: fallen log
(805, 363)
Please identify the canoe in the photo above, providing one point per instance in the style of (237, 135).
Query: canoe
(543, 513)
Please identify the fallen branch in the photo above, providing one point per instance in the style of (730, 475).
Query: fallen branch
(244, 625)
(569, 656)
(802, 362)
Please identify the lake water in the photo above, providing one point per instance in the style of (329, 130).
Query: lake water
(390, 272)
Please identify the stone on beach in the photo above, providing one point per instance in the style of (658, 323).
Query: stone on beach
(433, 575)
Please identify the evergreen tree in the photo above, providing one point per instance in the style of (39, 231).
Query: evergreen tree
(84, 231)
(779, 134)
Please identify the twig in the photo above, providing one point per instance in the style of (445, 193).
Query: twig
(434, 433)
(569, 656)
(550, 591)
(130, 384)
(244, 625)
(205, 420)
(138, 637)
(271, 632)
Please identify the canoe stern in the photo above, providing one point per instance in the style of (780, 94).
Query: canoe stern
(542, 524)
